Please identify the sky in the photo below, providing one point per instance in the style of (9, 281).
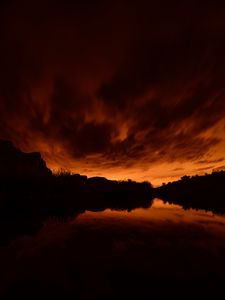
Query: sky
(114, 88)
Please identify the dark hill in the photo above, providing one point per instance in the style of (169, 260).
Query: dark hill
(14, 162)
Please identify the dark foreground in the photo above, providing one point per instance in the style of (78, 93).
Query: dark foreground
(143, 254)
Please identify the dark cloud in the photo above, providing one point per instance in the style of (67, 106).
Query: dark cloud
(205, 168)
(211, 161)
(132, 83)
(220, 168)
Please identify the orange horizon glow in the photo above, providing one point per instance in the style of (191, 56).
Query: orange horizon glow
(115, 90)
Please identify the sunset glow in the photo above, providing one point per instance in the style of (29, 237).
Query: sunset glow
(115, 89)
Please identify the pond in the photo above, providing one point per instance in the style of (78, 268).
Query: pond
(119, 255)
(159, 212)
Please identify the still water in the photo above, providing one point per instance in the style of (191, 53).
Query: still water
(119, 255)
(159, 212)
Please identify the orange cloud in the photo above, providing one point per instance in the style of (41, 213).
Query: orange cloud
(120, 90)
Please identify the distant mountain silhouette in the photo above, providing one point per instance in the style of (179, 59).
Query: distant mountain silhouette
(14, 162)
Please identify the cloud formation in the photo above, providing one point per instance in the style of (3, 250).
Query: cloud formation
(100, 86)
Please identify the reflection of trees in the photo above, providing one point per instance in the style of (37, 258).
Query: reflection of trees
(200, 192)
(26, 202)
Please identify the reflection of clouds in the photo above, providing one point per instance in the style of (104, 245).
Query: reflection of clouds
(104, 252)
(158, 203)
(208, 222)
(159, 214)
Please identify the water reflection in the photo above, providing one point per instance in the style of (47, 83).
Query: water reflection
(158, 212)
(111, 254)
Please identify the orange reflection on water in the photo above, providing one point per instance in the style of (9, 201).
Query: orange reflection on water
(159, 212)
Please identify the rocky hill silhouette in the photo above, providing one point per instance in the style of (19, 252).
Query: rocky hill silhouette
(14, 162)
